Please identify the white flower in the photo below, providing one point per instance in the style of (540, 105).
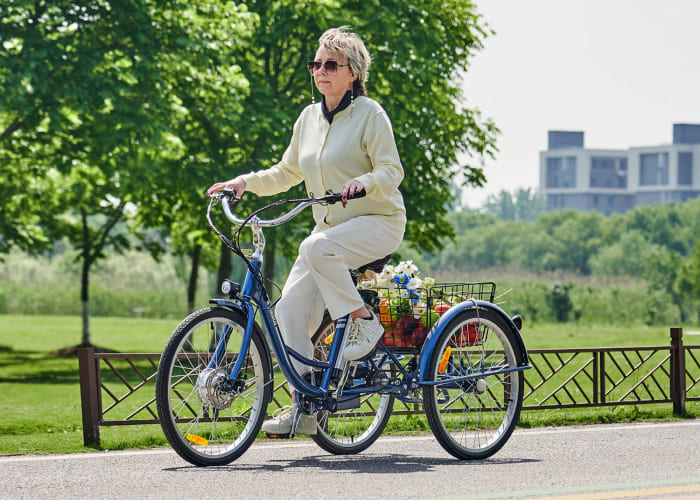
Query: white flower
(429, 281)
(419, 309)
(381, 283)
(387, 272)
(410, 267)
(414, 283)
(365, 284)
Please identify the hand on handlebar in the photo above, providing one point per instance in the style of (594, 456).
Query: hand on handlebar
(238, 185)
(350, 189)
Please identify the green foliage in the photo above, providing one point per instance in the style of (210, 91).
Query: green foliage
(419, 51)
(627, 256)
(524, 204)
(655, 246)
(131, 284)
(91, 100)
(560, 302)
(121, 110)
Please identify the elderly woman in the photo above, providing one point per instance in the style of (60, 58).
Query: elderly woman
(345, 144)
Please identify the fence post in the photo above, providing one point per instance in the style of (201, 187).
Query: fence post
(89, 395)
(677, 371)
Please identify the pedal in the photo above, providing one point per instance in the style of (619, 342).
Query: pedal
(278, 436)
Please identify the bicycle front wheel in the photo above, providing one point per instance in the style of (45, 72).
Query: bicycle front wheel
(207, 419)
(350, 431)
(476, 405)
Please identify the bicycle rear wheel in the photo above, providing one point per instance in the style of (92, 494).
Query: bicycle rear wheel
(473, 418)
(350, 431)
(206, 420)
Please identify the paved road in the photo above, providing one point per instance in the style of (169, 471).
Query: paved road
(624, 461)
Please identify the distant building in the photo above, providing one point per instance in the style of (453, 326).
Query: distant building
(616, 180)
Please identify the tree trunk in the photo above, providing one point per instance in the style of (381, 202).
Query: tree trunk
(225, 267)
(194, 272)
(85, 285)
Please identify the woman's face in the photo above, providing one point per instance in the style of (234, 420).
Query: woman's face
(332, 85)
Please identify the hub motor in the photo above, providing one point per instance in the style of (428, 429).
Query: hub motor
(210, 389)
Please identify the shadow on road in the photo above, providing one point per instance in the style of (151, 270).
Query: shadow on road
(366, 463)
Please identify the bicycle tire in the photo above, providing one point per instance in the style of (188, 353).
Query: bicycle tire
(347, 432)
(472, 419)
(204, 424)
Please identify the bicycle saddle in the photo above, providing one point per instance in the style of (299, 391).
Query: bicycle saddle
(375, 266)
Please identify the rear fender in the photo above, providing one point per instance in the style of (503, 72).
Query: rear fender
(434, 334)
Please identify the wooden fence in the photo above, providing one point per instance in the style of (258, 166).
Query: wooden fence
(119, 389)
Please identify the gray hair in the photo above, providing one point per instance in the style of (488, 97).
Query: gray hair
(343, 42)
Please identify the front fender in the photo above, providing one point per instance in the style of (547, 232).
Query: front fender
(434, 334)
(229, 304)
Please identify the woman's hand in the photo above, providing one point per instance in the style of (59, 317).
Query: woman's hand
(349, 189)
(238, 185)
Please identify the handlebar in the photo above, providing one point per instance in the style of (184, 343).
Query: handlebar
(229, 197)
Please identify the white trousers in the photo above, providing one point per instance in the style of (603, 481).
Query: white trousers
(319, 278)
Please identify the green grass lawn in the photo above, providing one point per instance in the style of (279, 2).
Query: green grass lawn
(40, 392)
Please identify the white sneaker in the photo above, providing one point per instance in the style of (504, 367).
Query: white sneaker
(363, 335)
(281, 423)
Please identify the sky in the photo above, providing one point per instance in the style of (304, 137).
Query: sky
(621, 71)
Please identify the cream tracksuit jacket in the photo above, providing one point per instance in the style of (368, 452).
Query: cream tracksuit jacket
(358, 144)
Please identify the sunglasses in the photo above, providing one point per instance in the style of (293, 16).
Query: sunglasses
(331, 66)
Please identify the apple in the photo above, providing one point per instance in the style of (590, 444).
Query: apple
(406, 324)
(388, 337)
(418, 336)
(471, 335)
(441, 308)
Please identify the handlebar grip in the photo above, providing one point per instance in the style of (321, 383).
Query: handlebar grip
(332, 197)
(229, 192)
(358, 194)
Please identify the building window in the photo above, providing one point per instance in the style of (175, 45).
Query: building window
(608, 172)
(685, 169)
(653, 169)
(561, 172)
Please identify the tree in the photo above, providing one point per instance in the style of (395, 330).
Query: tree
(662, 273)
(523, 204)
(627, 256)
(110, 98)
(88, 85)
(529, 205)
(688, 279)
(420, 50)
(501, 206)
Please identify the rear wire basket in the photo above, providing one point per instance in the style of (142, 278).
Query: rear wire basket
(408, 315)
